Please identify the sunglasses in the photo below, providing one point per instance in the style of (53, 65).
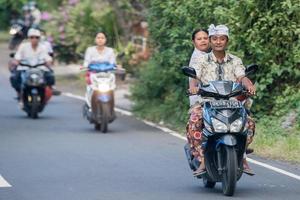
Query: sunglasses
(34, 37)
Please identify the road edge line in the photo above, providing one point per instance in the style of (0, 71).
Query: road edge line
(173, 133)
(4, 183)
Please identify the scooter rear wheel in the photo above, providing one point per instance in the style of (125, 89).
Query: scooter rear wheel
(105, 118)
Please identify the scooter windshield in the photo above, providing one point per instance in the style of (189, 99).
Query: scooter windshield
(221, 89)
(101, 67)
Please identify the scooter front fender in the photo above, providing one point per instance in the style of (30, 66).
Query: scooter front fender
(104, 98)
(228, 140)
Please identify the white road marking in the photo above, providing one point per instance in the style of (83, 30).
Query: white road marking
(123, 112)
(74, 96)
(274, 169)
(164, 129)
(169, 131)
(3, 182)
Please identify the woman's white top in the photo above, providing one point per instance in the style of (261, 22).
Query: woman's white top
(93, 55)
(196, 53)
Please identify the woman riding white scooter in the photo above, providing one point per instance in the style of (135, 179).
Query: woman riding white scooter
(103, 58)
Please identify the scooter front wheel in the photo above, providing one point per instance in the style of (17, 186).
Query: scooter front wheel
(97, 126)
(230, 173)
(34, 107)
(105, 117)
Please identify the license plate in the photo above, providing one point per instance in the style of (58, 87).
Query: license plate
(226, 104)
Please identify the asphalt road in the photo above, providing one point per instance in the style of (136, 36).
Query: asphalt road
(59, 156)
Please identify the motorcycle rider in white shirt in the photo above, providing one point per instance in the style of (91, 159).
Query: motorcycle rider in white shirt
(32, 51)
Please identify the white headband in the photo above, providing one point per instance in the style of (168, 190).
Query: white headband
(218, 30)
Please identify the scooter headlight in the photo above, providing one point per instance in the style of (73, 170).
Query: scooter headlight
(34, 76)
(236, 126)
(13, 31)
(103, 87)
(219, 126)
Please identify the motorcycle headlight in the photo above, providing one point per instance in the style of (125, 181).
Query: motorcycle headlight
(219, 126)
(34, 76)
(13, 31)
(236, 126)
(103, 87)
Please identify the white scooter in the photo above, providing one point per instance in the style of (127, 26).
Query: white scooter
(99, 97)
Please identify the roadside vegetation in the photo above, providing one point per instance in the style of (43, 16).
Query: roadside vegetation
(4, 37)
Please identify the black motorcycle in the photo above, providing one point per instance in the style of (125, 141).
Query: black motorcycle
(225, 132)
(34, 91)
(18, 32)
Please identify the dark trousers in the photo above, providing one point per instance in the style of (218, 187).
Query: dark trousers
(16, 80)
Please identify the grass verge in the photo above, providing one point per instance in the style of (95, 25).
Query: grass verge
(275, 142)
(4, 37)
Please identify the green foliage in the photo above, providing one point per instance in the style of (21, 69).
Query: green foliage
(269, 37)
(8, 9)
(78, 26)
(13, 8)
(150, 104)
(262, 32)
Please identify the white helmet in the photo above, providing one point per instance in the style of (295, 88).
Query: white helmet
(34, 32)
(218, 30)
(26, 8)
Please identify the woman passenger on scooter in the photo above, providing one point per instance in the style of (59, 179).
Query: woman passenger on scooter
(201, 47)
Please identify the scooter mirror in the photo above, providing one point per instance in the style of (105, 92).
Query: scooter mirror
(189, 71)
(251, 69)
(12, 55)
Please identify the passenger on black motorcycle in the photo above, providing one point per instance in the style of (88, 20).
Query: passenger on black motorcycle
(99, 54)
(28, 18)
(216, 65)
(35, 13)
(32, 50)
